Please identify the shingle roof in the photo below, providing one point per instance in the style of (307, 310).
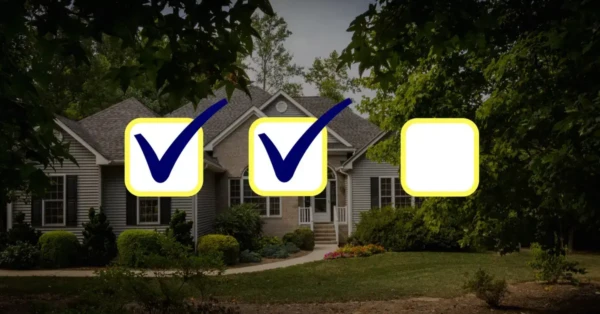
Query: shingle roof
(108, 126)
(350, 126)
(104, 131)
(238, 104)
(82, 133)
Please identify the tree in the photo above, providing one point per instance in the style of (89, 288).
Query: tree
(272, 63)
(331, 81)
(184, 49)
(526, 73)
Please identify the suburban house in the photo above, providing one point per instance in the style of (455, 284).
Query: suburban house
(355, 183)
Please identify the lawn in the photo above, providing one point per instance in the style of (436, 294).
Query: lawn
(380, 277)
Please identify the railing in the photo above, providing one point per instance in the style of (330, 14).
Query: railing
(342, 213)
(336, 223)
(305, 216)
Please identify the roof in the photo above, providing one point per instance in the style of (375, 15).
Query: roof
(107, 127)
(352, 127)
(104, 130)
(238, 105)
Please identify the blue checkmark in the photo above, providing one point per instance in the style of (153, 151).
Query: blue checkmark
(285, 168)
(161, 168)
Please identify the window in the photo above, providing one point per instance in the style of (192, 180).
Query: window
(392, 194)
(148, 210)
(241, 192)
(54, 205)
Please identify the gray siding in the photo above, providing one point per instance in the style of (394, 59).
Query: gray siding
(292, 111)
(207, 204)
(88, 193)
(363, 170)
(114, 201)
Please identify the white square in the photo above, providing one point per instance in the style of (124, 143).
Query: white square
(310, 176)
(440, 157)
(186, 176)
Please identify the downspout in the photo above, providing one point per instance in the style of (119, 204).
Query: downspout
(348, 200)
(9, 216)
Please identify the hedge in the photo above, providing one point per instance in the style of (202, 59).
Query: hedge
(58, 249)
(135, 246)
(227, 245)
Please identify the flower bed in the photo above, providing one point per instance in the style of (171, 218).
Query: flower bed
(355, 251)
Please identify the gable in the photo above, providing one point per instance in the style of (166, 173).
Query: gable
(251, 114)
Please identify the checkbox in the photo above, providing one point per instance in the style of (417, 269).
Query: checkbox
(308, 173)
(439, 157)
(186, 175)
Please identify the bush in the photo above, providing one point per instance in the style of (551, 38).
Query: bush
(486, 288)
(227, 245)
(21, 255)
(403, 229)
(553, 267)
(250, 257)
(291, 248)
(181, 229)
(269, 240)
(275, 251)
(99, 241)
(21, 232)
(135, 246)
(58, 249)
(303, 238)
(242, 222)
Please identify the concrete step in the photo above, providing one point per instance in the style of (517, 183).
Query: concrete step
(332, 227)
(325, 239)
(325, 233)
(325, 242)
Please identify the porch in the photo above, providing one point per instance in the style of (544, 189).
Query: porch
(326, 232)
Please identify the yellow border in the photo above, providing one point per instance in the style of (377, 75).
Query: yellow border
(251, 143)
(192, 192)
(468, 122)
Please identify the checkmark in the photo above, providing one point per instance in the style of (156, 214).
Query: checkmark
(161, 168)
(286, 167)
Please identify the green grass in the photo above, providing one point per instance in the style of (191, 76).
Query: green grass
(380, 277)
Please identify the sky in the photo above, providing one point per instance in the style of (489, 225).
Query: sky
(318, 28)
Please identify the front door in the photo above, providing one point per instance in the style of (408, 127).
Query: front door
(321, 205)
(324, 203)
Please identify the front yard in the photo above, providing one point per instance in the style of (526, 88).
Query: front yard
(386, 276)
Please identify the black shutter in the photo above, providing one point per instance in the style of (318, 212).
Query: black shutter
(71, 200)
(130, 208)
(36, 212)
(165, 210)
(374, 192)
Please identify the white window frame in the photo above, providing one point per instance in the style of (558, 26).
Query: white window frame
(64, 223)
(241, 197)
(393, 180)
(138, 212)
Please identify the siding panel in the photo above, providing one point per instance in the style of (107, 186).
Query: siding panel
(363, 170)
(207, 204)
(114, 201)
(88, 193)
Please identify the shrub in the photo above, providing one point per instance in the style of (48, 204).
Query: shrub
(486, 288)
(58, 249)
(250, 257)
(291, 248)
(242, 222)
(22, 232)
(21, 255)
(303, 238)
(275, 251)
(403, 229)
(181, 289)
(269, 240)
(135, 246)
(227, 245)
(99, 241)
(553, 267)
(181, 229)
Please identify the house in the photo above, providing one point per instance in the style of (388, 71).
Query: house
(355, 183)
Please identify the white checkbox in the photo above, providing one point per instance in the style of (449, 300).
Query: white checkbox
(440, 157)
